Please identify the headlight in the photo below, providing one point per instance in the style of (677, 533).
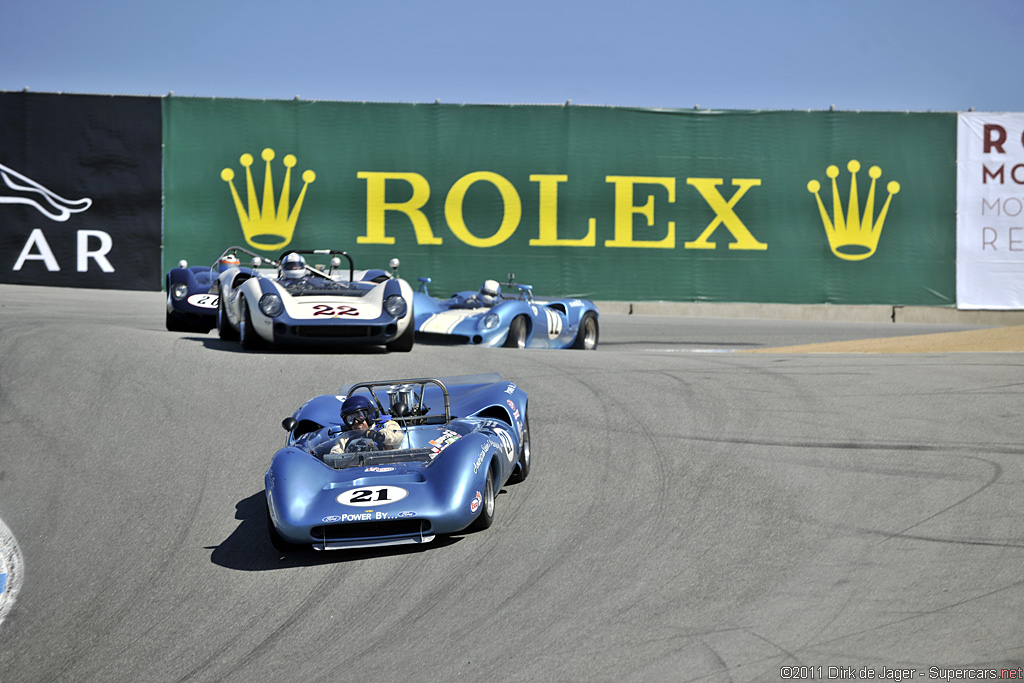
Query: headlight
(395, 306)
(271, 305)
(179, 291)
(490, 321)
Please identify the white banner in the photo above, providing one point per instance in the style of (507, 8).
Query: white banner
(990, 211)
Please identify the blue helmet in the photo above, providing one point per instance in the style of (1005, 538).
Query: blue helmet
(358, 407)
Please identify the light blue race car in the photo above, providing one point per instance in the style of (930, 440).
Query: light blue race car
(492, 316)
(333, 487)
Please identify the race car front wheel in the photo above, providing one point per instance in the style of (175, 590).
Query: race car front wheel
(224, 329)
(251, 340)
(486, 517)
(277, 540)
(516, 333)
(586, 338)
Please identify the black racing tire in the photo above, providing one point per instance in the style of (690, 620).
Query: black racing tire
(176, 325)
(278, 541)
(486, 517)
(251, 340)
(404, 342)
(522, 469)
(224, 329)
(516, 333)
(588, 334)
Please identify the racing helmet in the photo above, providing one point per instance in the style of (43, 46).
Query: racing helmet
(228, 261)
(490, 290)
(293, 266)
(358, 407)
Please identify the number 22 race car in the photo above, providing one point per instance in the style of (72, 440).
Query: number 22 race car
(462, 439)
(298, 303)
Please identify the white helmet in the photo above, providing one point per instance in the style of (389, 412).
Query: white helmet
(489, 292)
(293, 266)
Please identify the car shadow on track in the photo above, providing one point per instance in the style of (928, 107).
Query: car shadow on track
(216, 343)
(248, 547)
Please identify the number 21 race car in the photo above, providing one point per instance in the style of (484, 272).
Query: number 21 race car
(458, 440)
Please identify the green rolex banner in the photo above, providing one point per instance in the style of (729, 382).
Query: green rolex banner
(604, 203)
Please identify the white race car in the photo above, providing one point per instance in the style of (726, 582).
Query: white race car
(320, 305)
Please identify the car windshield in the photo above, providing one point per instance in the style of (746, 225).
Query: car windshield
(314, 284)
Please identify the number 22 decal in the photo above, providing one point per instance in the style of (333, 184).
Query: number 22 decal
(334, 311)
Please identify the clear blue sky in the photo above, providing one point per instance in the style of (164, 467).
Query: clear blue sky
(902, 55)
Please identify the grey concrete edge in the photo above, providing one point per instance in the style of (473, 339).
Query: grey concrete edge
(817, 312)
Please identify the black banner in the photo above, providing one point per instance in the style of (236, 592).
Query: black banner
(80, 179)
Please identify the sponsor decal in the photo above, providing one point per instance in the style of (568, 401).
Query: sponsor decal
(480, 458)
(510, 389)
(447, 438)
(332, 518)
(369, 516)
(852, 235)
(475, 504)
(515, 411)
(380, 469)
(372, 495)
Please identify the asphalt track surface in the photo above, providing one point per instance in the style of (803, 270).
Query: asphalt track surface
(693, 514)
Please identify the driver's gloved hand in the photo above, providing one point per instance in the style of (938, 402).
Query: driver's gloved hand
(377, 436)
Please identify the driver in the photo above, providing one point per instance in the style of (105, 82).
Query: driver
(228, 261)
(488, 295)
(293, 266)
(362, 419)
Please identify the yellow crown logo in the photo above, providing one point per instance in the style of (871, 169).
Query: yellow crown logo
(853, 237)
(264, 226)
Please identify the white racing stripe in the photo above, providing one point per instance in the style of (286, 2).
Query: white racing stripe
(445, 322)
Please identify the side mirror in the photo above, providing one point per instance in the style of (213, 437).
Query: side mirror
(257, 261)
(289, 423)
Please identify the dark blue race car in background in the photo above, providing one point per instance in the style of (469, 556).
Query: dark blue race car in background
(192, 296)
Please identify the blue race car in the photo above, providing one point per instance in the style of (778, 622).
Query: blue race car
(462, 439)
(490, 317)
(192, 296)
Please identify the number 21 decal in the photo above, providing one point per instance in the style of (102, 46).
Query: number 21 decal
(372, 495)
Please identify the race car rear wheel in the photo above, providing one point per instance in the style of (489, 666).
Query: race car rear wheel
(522, 469)
(486, 517)
(587, 336)
(224, 329)
(251, 340)
(516, 333)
